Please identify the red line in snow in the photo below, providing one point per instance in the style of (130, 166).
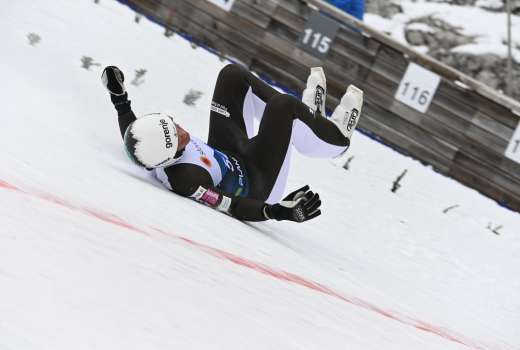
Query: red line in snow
(292, 278)
(108, 218)
(8, 186)
(259, 267)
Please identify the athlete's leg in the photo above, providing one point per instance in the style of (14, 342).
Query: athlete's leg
(268, 153)
(239, 97)
(345, 116)
(309, 144)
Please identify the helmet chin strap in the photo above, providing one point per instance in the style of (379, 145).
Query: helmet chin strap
(179, 153)
(175, 158)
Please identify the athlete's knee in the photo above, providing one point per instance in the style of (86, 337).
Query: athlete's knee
(232, 71)
(284, 103)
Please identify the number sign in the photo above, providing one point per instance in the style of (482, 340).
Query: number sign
(318, 35)
(417, 87)
(513, 150)
(223, 4)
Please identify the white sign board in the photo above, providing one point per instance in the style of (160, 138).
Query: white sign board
(417, 87)
(223, 4)
(513, 150)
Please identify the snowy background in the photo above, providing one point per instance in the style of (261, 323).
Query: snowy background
(94, 254)
(488, 28)
(468, 35)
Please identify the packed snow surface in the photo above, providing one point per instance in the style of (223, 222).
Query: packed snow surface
(94, 254)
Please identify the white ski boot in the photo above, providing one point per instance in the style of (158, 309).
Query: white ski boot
(347, 113)
(316, 90)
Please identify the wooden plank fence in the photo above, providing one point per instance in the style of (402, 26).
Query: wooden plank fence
(463, 134)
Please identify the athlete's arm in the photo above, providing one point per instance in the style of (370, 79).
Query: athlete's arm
(191, 181)
(125, 115)
(113, 80)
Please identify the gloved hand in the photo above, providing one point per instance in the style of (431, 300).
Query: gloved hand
(300, 205)
(113, 79)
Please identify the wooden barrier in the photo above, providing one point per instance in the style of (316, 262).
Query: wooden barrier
(464, 132)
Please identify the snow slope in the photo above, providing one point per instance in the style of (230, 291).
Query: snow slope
(95, 255)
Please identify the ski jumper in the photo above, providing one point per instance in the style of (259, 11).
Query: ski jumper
(240, 169)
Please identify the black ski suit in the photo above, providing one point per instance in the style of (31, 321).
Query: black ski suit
(239, 98)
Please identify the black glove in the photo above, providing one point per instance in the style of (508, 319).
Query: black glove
(300, 205)
(113, 80)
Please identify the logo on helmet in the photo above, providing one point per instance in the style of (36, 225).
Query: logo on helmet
(167, 137)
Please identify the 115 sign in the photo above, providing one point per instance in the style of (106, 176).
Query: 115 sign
(318, 35)
(316, 40)
(417, 87)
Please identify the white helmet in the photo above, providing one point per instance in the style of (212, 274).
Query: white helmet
(152, 141)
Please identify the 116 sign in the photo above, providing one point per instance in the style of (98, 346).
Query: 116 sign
(417, 87)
